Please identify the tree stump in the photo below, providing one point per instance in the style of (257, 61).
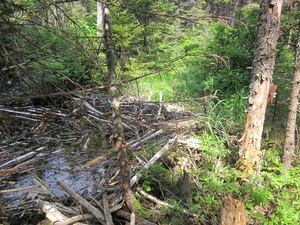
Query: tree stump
(233, 212)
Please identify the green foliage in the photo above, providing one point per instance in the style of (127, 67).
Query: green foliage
(157, 176)
(67, 67)
(278, 193)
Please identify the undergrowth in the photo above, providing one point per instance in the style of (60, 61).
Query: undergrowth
(271, 198)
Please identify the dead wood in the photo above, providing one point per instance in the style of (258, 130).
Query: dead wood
(138, 176)
(139, 142)
(53, 133)
(19, 189)
(75, 219)
(127, 216)
(96, 112)
(233, 212)
(132, 218)
(107, 210)
(54, 215)
(82, 201)
(22, 157)
(262, 75)
(90, 108)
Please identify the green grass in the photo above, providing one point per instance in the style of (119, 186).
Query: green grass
(150, 88)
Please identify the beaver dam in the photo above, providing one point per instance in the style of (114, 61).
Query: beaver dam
(58, 163)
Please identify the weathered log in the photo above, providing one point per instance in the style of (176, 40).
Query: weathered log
(82, 201)
(138, 176)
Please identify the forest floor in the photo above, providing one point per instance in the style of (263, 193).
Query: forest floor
(42, 144)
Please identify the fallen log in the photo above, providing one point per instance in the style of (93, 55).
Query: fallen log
(138, 176)
(82, 201)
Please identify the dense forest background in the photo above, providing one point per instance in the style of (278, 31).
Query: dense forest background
(196, 52)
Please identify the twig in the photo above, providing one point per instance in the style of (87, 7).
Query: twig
(106, 210)
(19, 189)
(75, 219)
(23, 157)
(159, 202)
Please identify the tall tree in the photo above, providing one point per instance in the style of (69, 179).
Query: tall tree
(262, 73)
(289, 145)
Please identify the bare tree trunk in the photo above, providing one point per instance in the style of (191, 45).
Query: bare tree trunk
(289, 145)
(118, 133)
(233, 212)
(263, 66)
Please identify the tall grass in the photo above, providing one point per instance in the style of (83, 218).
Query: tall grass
(150, 88)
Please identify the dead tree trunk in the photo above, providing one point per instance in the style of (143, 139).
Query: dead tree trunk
(263, 66)
(118, 133)
(289, 145)
(233, 211)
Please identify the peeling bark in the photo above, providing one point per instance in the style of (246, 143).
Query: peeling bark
(263, 67)
(289, 145)
(233, 212)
